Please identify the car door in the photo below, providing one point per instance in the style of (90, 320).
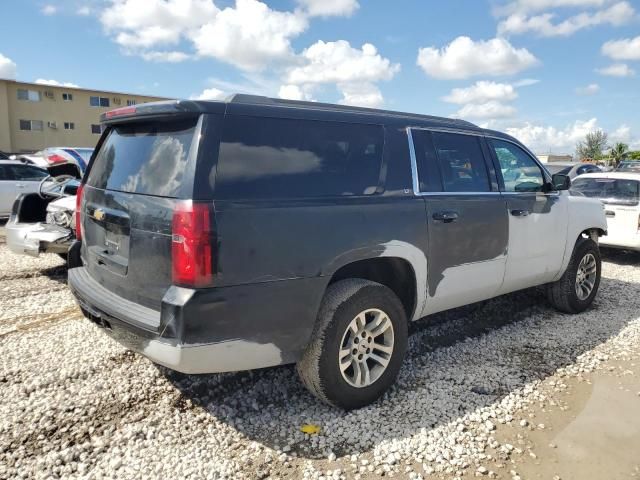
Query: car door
(466, 218)
(7, 189)
(537, 217)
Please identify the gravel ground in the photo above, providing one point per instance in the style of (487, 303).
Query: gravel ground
(73, 403)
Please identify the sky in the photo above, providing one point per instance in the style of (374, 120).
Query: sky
(545, 71)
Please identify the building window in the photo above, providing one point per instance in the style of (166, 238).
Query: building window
(130, 103)
(96, 129)
(67, 97)
(29, 95)
(99, 101)
(69, 126)
(36, 125)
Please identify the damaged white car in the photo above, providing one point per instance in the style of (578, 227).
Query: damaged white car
(44, 222)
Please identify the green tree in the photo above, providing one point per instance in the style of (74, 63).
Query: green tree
(635, 155)
(593, 146)
(618, 152)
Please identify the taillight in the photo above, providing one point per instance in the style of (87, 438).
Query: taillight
(79, 193)
(191, 244)
(121, 111)
(55, 158)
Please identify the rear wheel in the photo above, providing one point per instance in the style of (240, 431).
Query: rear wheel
(358, 345)
(575, 290)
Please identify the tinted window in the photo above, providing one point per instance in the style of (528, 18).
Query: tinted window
(282, 158)
(587, 169)
(461, 162)
(28, 173)
(610, 190)
(5, 173)
(147, 158)
(427, 162)
(520, 172)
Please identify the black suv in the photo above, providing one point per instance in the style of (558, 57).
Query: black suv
(225, 236)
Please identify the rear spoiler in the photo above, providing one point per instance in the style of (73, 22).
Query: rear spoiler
(170, 108)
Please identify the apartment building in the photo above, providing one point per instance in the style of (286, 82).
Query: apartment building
(34, 116)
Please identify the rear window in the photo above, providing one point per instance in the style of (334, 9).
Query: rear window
(614, 191)
(283, 158)
(146, 158)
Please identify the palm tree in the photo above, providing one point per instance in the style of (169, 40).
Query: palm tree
(619, 152)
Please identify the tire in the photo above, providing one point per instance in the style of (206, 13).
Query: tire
(563, 294)
(343, 304)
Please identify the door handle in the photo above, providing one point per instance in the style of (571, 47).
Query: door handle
(445, 216)
(20, 185)
(520, 213)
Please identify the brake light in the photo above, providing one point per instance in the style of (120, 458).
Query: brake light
(118, 112)
(191, 245)
(79, 193)
(55, 158)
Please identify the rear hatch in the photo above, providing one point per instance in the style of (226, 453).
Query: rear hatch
(138, 175)
(620, 196)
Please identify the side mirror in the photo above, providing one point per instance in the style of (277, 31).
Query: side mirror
(560, 181)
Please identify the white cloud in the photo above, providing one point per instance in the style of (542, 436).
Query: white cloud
(617, 70)
(482, 92)
(294, 92)
(210, 94)
(621, 134)
(484, 111)
(327, 8)
(526, 82)
(361, 95)
(529, 6)
(339, 62)
(84, 11)
(543, 25)
(55, 83)
(7, 68)
(623, 49)
(354, 71)
(464, 58)
(147, 23)
(544, 138)
(49, 10)
(590, 89)
(164, 56)
(249, 36)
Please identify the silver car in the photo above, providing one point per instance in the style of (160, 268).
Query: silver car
(17, 178)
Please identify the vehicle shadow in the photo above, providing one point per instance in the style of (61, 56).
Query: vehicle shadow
(57, 273)
(457, 362)
(620, 257)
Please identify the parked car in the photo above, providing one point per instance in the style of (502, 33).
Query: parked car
(225, 236)
(44, 222)
(54, 156)
(572, 169)
(629, 166)
(620, 193)
(17, 178)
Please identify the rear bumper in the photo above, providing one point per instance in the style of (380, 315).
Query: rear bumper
(35, 238)
(201, 331)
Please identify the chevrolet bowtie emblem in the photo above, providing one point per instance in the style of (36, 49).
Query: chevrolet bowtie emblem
(98, 214)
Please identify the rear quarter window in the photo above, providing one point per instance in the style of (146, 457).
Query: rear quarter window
(283, 158)
(148, 158)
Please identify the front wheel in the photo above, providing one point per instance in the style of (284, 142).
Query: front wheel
(358, 344)
(575, 290)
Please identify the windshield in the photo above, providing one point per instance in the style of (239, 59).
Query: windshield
(615, 191)
(148, 158)
(629, 167)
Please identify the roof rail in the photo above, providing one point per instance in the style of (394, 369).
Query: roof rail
(245, 99)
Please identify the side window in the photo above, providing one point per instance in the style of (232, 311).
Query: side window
(285, 158)
(5, 174)
(520, 172)
(27, 173)
(427, 162)
(461, 162)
